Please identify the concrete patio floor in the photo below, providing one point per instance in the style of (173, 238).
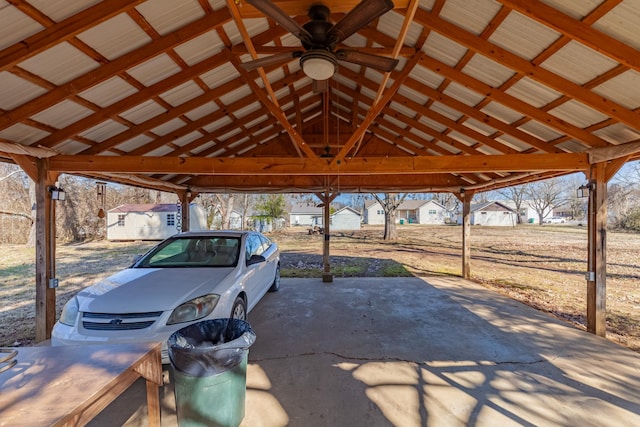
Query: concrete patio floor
(415, 352)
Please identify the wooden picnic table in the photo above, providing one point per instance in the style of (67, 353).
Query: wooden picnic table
(69, 385)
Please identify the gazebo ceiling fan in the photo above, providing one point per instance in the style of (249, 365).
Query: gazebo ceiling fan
(319, 37)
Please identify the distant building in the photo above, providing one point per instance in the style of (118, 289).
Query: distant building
(492, 214)
(345, 219)
(150, 221)
(409, 212)
(305, 215)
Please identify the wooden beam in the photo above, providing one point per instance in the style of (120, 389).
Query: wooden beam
(577, 30)
(297, 7)
(376, 109)
(92, 78)
(512, 102)
(45, 251)
(295, 166)
(520, 65)
(597, 252)
(275, 111)
(62, 31)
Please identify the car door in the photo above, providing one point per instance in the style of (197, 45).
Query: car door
(254, 279)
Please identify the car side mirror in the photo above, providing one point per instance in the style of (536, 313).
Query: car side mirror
(255, 259)
(137, 258)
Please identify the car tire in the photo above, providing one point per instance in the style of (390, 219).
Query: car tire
(239, 310)
(275, 286)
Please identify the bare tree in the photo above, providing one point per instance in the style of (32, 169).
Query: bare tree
(390, 203)
(545, 195)
(515, 194)
(246, 203)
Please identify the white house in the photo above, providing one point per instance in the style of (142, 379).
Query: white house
(422, 212)
(305, 215)
(345, 219)
(409, 212)
(150, 221)
(373, 212)
(492, 214)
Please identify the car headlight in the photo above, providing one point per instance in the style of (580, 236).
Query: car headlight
(195, 309)
(70, 312)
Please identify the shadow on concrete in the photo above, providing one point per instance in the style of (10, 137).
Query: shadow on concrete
(417, 352)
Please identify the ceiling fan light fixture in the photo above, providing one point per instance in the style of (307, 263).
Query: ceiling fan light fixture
(318, 64)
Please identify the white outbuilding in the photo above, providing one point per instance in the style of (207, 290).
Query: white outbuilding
(150, 221)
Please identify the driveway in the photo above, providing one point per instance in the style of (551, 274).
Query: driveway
(412, 352)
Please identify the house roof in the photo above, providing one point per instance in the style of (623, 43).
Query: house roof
(153, 93)
(305, 210)
(483, 206)
(346, 209)
(145, 207)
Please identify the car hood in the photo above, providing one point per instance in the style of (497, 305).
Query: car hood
(151, 289)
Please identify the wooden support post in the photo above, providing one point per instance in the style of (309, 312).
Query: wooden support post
(45, 252)
(327, 277)
(326, 199)
(597, 260)
(466, 234)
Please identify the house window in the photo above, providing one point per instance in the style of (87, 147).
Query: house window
(121, 220)
(380, 212)
(171, 220)
(483, 213)
(432, 211)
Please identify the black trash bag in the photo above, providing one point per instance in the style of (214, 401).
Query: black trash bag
(210, 347)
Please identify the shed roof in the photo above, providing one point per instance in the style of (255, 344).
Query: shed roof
(153, 93)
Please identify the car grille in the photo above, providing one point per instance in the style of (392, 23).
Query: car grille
(118, 322)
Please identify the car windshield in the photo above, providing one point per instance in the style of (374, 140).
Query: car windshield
(213, 251)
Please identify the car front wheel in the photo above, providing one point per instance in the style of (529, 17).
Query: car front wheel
(239, 310)
(275, 286)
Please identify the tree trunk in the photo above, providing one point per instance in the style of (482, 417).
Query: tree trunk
(390, 228)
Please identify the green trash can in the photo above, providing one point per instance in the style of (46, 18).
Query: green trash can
(401, 221)
(209, 372)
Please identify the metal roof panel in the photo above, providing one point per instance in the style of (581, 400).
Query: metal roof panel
(203, 110)
(15, 91)
(577, 9)
(523, 36)
(578, 63)
(143, 112)
(62, 114)
(487, 71)
(154, 70)
(443, 49)
(200, 48)
(578, 114)
(472, 15)
(166, 16)
(624, 89)
(533, 93)
(182, 93)
(622, 23)
(59, 10)
(60, 63)
(23, 134)
(108, 92)
(168, 126)
(104, 130)
(618, 134)
(15, 25)
(115, 37)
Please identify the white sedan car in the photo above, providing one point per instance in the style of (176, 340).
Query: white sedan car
(189, 277)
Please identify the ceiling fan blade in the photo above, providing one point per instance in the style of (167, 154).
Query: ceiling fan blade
(270, 60)
(320, 86)
(378, 62)
(365, 12)
(285, 21)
